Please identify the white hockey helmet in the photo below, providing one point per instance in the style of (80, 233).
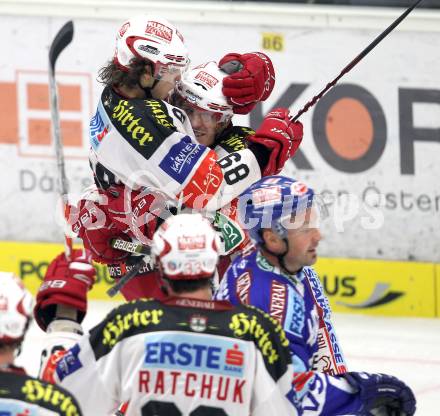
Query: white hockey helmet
(154, 39)
(186, 247)
(16, 305)
(201, 87)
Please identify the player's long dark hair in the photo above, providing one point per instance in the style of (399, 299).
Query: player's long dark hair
(113, 74)
(182, 286)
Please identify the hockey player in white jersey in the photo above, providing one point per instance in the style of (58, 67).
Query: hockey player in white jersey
(133, 213)
(140, 140)
(21, 394)
(185, 355)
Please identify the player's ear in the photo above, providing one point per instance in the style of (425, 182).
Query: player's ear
(271, 240)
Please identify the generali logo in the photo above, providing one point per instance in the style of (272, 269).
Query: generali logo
(26, 117)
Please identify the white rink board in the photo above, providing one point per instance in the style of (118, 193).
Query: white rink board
(406, 225)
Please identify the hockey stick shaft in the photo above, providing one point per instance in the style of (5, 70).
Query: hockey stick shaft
(113, 291)
(61, 40)
(135, 248)
(356, 60)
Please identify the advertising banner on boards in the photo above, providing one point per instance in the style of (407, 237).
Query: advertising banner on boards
(370, 146)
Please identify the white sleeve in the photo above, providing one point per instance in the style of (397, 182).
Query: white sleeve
(95, 388)
(270, 397)
(171, 160)
(60, 336)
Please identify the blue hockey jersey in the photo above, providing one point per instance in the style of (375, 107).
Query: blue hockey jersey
(299, 304)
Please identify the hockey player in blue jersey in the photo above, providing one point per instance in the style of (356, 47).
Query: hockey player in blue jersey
(282, 217)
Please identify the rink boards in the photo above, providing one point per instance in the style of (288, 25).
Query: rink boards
(370, 146)
(371, 287)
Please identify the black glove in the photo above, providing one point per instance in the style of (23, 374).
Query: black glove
(382, 392)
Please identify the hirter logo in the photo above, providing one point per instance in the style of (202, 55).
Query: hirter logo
(159, 30)
(206, 78)
(266, 195)
(192, 242)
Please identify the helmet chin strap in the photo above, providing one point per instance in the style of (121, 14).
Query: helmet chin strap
(147, 90)
(280, 256)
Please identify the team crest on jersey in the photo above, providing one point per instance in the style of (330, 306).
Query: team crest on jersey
(198, 323)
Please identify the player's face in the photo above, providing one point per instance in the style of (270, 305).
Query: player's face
(303, 236)
(204, 123)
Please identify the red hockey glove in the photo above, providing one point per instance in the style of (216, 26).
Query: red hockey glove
(65, 283)
(134, 212)
(95, 227)
(280, 136)
(251, 79)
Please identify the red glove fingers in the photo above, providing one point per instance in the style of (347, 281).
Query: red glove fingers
(95, 228)
(280, 137)
(251, 79)
(65, 283)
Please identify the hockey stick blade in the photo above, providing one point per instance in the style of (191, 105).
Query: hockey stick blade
(355, 61)
(113, 291)
(62, 39)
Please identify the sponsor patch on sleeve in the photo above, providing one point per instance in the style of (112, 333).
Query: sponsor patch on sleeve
(99, 127)
(69, 363)
(181, 159)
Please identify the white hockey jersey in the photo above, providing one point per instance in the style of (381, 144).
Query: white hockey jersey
(150, 143)
(181, 357)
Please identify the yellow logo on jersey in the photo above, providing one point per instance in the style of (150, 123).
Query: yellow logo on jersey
(36, 391)
(235, 141)
(159, 114)
(122, 113)
(242, 324)
(115, 328)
